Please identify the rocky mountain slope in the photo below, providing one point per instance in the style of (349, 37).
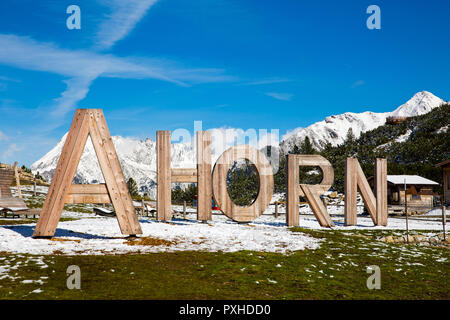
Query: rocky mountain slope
(334, 128)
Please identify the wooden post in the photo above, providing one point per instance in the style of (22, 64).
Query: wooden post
(406, 212)
(163, 159)
(444, 215)
(184, 209)
(276, 209)
(350, 189)
(381, 192)
(16, 173)
(204, 180)
(88, 122)
(292, 197)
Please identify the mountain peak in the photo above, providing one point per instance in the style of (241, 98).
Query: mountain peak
(422, 102)
(334, 128)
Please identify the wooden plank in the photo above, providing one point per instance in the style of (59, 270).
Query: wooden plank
(312, 194)
(88, 189)
(113, 174)
(16, 173)
(6, 171)
(204, 178)
(75, 198)
(350, 189)
(88, 193)
(5, 192)
(163, 161)
(6, 178)
(183, 175)
(64, 174)
(12, 202)
(381, 191)
(184, 172)
(292, 194)
(221, 196)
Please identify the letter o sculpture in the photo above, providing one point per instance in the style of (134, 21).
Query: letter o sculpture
(220, 193)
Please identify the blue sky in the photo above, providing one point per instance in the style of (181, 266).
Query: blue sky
(161, 64)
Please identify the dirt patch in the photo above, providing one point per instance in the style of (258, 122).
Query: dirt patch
(64, 240)
(148, 241)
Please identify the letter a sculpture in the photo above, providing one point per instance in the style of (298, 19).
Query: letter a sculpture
(88, 122)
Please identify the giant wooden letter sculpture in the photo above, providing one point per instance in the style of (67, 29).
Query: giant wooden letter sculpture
(311, 192)
(88, 122)
(354, 179)
(167, 176)
(221, 196)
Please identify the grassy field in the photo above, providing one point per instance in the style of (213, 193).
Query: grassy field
(337, 270)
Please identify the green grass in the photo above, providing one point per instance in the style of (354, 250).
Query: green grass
(337, 270)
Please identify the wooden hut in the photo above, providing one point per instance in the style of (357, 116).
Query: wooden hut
(419, 193)
(395, 120)
(445, 165)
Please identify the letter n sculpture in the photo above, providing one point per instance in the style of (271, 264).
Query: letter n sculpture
(354, 180)
(88, 122)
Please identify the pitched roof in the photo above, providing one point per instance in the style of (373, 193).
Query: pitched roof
(443, 163)
(410, 179)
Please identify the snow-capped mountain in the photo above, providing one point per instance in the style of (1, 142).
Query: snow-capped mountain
(138, 157)
(334, 128)
(422, 102)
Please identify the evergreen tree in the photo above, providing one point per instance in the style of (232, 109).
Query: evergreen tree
(243, 184)
(306, 147)
(38, 176)
(187, 194)
(132, 187)
(350, 138)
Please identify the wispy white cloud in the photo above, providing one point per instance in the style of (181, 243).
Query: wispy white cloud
(4, 82)
(3, 137)
(266, 81)
(82, 67)
(357, 84)
(81, 63)
(11, 150)
(124, 16)
(280, 96)
(77, 89)
(7, 79)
